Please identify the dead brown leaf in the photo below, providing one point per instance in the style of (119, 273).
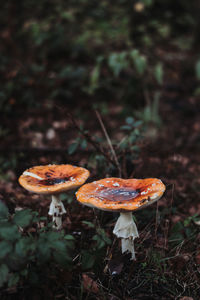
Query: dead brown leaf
(197, 258)
(89, 284)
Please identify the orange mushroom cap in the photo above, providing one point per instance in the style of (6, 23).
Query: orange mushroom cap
(116, 194)
(54, 178)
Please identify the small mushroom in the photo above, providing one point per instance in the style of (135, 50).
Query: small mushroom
(52, 180)
(124, 196)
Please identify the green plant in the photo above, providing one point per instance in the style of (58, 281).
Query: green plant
(110, 157)
(96, 253)
(184, 230)
(79, 143)
(133, 130)
(26, 254)
(150, 113)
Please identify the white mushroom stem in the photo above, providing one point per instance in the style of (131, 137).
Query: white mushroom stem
(56, 210)
(126, 229)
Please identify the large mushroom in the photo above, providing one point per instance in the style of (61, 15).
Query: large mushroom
(53, 180)
(124, 196)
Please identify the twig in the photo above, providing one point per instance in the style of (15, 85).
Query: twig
(171, 201)
(156, 222)
(90, 140)
(166, 230)
(109, 143)
(147, 97)
(124, 168)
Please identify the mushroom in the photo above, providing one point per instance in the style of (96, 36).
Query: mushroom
(52, 180)
(124, 196)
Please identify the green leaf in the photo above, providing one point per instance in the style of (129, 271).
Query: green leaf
(141, 64)
(100, 242)
(117, 62)
(3, 274)
(43, 218)
(134, 54)
(43, 251)
(135, 148)
(69, 237)
(177, 233)
(66, 72)
(13, 279)
(23, 218)
(9, 232)
(24, 272)
(3, 211)
(158, 73)
(89, 224)
(197, 91)
(197, 68)
(138, 123)
(94, 78)
(69, 241)
(139, 61)
(129, 120)
(87, 260)
(189, 232)
(147, 2)
(124, 144)
(62, 258)
(83, 144)
(5, 248)
(72, 148)
(24, 247)
(59, 246)
(104, 236)
(52, 236)
(187, 222)
(125, 127)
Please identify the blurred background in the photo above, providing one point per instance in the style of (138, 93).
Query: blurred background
(68, 66)
(129, 58)
(76, 77)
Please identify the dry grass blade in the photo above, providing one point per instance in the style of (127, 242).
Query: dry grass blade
(90, 140)
(109, 142)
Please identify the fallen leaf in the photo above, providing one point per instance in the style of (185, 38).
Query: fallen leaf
(175, 218)
(197, 258)
(89, 284)
(161, 243)
(179, 263)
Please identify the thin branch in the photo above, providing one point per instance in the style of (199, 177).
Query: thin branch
(147, 97)
(90, 140)
(109, 142)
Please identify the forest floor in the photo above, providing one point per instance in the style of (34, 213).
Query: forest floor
(163, 269)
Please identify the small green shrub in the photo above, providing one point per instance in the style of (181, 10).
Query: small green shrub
(126, 149)
(94, 256)
(25, 253)
(184, 230)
